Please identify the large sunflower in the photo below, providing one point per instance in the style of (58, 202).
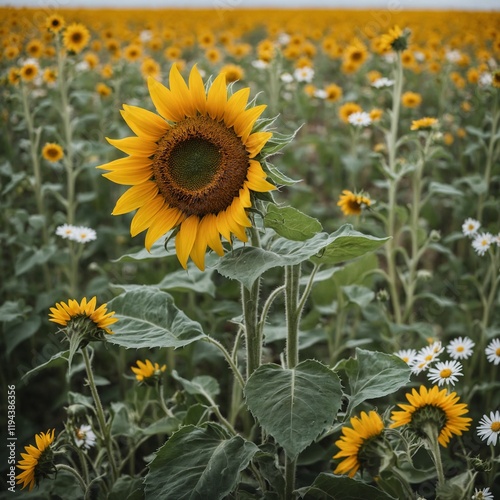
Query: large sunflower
(435, 408)
(193, 168)
(37, 461)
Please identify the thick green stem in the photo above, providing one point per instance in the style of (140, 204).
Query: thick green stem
(229, 359)
(105, 431)
(290, 471)
(433, 446)
(75, 473)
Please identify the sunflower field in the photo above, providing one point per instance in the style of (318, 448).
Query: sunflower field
(250, 254)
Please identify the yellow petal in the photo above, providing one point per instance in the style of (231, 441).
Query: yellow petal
(135, 197)
(143, 217)
(199, 249)
(180, 90)
(165, 103)
(144, 123)
(217, 97)
(256, 142)
(236, 105)
(184, 240)
(130, 176)
(223, 225)
(244, 196)
(245, 122)
(197, 90)
(208, 225)
(256, 178)
(136, 146)
(138, 162)
(164, 221)
(234, 226)
(238, 213)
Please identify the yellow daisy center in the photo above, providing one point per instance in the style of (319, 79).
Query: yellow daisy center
(460, 348)
(495, 426)
(200, 166)
(497, 352)
(445, 373)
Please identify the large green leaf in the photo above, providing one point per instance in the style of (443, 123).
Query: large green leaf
(372, 375)
(329, 487)
(198, 464)
(203, 385)
(294, 405)
(148, 317)
(291, 223)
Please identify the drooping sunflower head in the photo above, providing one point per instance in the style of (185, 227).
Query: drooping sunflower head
(432, 411)
(351, 203)
(361, 445)
(82, 320)
(195, 168)
(395, 39)
(148, 373)
(37, 462)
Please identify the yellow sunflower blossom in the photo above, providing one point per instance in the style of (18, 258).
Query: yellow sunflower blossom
(395, 39)
(146, 372)
(436, 408)
(411, 99)
(52, 152)
(54, 23)
(76, 37)
(423, 123)
(194, 168)
(37, 462)
(358, 444)
(351, 203)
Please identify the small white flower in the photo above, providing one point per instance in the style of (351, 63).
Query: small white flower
(320, 93)
(426, 356)
(489, 428)
(382, 82)
(470, 226)
(420, 365)
(419, 56)
(445, 372)
(460, 348)
(85, 437)
(305, 74)
(484, 494)
(360, 119)
(493, 351)
(407, 355)
(453, 56)
(390, 57)
(485, 79)
(66, 231)
(145, 36)
(482, 242)
(82, 66)
(283, 38)
(84, 234)
(286, 78)
(260, 64)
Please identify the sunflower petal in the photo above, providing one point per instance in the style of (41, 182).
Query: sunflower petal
(197, 90)
(165, 102)
(245, 122)
(238, 213)
(137, 162)
(185, 239)
(199, 249)
(129, 176)
(208, 225)
(179, 89)
(164, 221)
(136, 146)
(256, 142)
(217, 97)
(143, 216)
(135, 197)
(236, 105)
(144, 123)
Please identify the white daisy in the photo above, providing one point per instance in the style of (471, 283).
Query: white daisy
(482, 242)
(426, 356)
(489, 428)
(286, 78)
(484, 494)
(382, 82)
(85, 437)
(145, 36)
(360, 119)
(320, 93)
(407, 355)
(453, 56)
(470, 226)
(493, 351)
(84, 234)
(485, 79)
(66, 231)
(305, 74)
(460, 348)
(260, 64)
(445, 373)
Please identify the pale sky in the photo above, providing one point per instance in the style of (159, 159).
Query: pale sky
(492, 5)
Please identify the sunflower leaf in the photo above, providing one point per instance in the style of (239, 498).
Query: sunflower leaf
(197, 463)
(148, 317)
(294, 405)
(291, 223)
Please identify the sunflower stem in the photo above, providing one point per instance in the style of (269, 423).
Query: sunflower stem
(433, 445)
(75, 473)
(105, 431)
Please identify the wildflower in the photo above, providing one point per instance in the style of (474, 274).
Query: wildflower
(407, 355)
(52, 152)
(351, 203)
(485, 79)
(445, 373)
(489, 428)
(103, 90)
(483, 494)
(482, 242)
(66, 231)
(453, 56)
(233, 72)
(198, 175)
(147, 373)
(395, 39)
(54, 23)
(333, 92)
(348, 109)
(28, 72)
(376, 114)
(76, 37)
(358, 444)
(49, 76)
(432, 411)
(493, 351)
(360, 119)
(85, 437)
(426, 356)
(470, 226)
(382, 82)
(304, 74)
(286, 78)
(460, 348)
(37, 462)
(320, 93)
(83, 313)
(411, 99)
(83, 234)
(150, 67)
(423, 123)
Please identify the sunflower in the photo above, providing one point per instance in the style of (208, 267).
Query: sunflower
(233, 72)
(34, 48)
(348, 109)
(351, 203)
(433, 408)
(423, 123)
(14, 76)
(146, 372)
(333, 92)
(54, 23)
(76, 37)
(37, 461)
(395, 39)
(28, 72)
(66, 314)
(358, 446)
(52, 152)
(103, 90)
(194, 168)
(149, 67)
(50, 76)
(411, 99)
